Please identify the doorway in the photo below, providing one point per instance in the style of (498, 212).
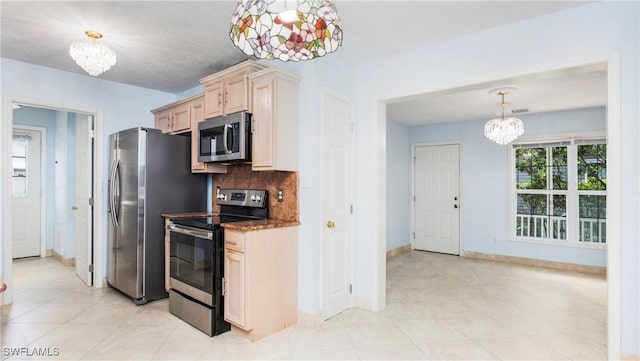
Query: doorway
(67, 194)
(613, 123)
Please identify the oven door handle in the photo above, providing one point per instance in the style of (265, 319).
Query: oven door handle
(189, 231)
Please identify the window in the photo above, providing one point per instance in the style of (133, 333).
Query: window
(19, 165)
(560, 190)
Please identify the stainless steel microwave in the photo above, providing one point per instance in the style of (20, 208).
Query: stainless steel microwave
(225, 139)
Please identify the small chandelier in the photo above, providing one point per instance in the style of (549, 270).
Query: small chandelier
(269, 29)
(94, 58)
(500, 130)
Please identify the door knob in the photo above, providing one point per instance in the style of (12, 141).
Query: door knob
(330, 224)
(74, 208)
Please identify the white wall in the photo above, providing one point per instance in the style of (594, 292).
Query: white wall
(576, 36)
(399, 190)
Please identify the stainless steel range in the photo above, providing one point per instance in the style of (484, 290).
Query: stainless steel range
(196, 259)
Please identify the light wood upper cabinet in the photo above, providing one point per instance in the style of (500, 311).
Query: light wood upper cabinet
(275, 120)
(214, 102)
(174, 118)
(261, 280)
(228, 91)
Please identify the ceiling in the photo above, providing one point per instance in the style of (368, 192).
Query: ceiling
(170, 45)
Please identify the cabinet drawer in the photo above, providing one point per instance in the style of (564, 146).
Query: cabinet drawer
(234, 240)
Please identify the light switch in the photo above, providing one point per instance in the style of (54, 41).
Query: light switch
(280, 195)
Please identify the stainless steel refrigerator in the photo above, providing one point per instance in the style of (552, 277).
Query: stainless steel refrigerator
(150, 174)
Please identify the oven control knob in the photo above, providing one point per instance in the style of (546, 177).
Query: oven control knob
(253, 197)
(258, 198)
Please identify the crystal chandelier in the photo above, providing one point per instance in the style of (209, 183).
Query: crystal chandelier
(500, 130)
(92, 57)
(274, 29)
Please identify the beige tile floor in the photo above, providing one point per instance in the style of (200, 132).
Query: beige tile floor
(439, 308)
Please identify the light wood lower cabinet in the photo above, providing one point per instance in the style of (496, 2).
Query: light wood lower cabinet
(261, 281)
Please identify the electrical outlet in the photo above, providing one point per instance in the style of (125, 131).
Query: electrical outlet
(280, 195)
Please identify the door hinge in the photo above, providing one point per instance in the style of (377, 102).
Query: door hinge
(90, 268)
(350, 288)
(414, 198)
(91, 201)
(414, 235)
(92, 133)
(351, 208)
(352, 128)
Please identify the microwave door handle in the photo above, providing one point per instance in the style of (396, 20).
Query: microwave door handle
(224, 138)
(230, 143)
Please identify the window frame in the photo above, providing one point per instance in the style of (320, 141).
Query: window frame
(572, 192)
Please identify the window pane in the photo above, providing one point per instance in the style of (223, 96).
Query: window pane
(592, 167)
(532, 219)
(19, 166)
(559, 217)
(19, 148)
(531, 168)
(559, 167)
(593, 215)
(542, 216)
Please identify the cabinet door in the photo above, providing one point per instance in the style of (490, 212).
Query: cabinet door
(234, 297)
(162, 121)
(235, 94)
(263, 97)
(197, 115)
(181, 118)
(213, 100)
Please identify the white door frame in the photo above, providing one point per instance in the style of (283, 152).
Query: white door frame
(614, 171)
(43, 182)
(351, 260)
(460, 185)
(6, 131)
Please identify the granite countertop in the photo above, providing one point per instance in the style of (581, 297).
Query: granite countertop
(238, 226)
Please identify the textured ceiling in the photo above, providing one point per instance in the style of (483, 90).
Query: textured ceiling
(170, 45)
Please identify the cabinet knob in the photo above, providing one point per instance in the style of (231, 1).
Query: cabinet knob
(330, 224)
(226, 97)
(219, 98)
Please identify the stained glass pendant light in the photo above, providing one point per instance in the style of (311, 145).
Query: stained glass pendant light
(94, 58)
(288, 30)
(500, 130)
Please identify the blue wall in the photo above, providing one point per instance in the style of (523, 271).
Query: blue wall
(484, 186)
(399, 190)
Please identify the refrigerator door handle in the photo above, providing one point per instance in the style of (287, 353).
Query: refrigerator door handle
(114, 174)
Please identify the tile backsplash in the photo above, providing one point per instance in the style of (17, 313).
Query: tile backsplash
(241, 176)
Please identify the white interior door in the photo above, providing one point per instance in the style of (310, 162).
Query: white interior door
(437, 198)
(82, 206)
(337, 153)
(26, 202)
